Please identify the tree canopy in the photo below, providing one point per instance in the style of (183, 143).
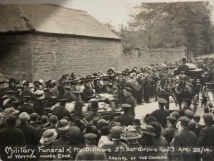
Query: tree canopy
(168, 25)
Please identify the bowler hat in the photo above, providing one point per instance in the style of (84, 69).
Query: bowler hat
(136, 122)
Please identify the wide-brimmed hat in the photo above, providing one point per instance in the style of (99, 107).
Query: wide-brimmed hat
(10, 111)
(48, 136)
(130, 133)
(62, 126)
(148, 129)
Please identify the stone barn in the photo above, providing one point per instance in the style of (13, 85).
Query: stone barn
(45, 41)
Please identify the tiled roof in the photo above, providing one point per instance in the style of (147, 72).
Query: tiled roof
(51, 19)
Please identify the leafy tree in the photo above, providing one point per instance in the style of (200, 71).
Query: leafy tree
(173, 25)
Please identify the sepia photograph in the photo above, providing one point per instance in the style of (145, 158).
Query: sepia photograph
(106, 80)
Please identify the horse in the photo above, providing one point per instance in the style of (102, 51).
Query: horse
(183, 91)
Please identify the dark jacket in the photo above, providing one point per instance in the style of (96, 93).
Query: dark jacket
(26, 108)
(206, 139)
(10, 136)
(131, 101)
(62, 112)
(184, 139)
(91, 116)
(88, 93)
(34, 124)
(146, 140)
(66, 143)
(125, 119)
(29, 132)
(168, 133)
(160, 116)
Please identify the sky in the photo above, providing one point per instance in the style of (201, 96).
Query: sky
(114, 12)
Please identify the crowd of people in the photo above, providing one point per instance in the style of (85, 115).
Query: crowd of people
(66, 114)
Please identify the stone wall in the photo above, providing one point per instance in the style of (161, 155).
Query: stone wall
(54, 55)
(32, 56)
(145, 57)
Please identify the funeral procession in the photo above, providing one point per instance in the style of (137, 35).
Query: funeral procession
(106, 80)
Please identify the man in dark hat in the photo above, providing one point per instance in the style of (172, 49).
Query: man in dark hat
(161, 114)
(88, 92)
(205, 138)
(11, 136)
(79, 121)
(61, 111)
(27, 106)
(184, 138)
(93, 106)
(68, 94)
(168, 132)
(183, 68)
(91, 151)
(129, 99)
(125, 119)
(136, 124)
